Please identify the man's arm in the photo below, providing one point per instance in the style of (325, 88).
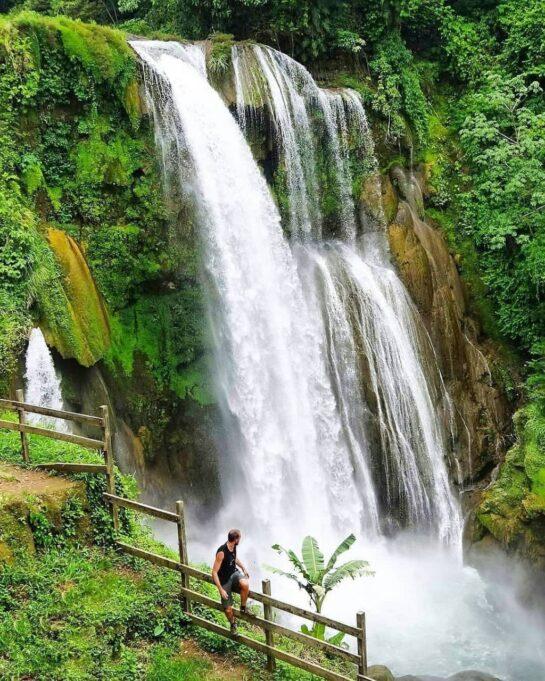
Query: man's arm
(241, 566)
(216, 567)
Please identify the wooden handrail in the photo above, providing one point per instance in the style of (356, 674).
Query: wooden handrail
(188, 595)
(279, 605)
(155, 558)
(57, 413)
(276, 652)
(63, 467)
(105, 445)
(88, 442)
(143, 508)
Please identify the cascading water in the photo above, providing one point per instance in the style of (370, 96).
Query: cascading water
(284, 377)
(42, 384)
(336, 412)
(377, 351)
(286, 439)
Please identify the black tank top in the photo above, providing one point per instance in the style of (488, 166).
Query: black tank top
(228, 564)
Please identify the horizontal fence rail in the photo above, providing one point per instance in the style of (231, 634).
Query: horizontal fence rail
(63, 467)
(273, 626)
(88, 442)
(47, 411)
(276, 653)
(143, 508)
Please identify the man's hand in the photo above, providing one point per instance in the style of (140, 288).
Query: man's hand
(224, 595)
(246, 573)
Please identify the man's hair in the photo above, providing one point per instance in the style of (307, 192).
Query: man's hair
(233, 534)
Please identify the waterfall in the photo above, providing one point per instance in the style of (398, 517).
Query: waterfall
(326, 376)
(42, 384)
(386, 382)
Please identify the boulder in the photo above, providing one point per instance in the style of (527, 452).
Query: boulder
(472, 675)
(469, 675)
(378, 672)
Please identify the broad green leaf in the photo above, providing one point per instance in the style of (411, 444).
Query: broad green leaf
(288, 575)
(317, 631)
(337, 640)
(343, 546)
(352, 569)
(313, 558)
(295, 561)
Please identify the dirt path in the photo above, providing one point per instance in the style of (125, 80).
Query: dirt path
(19, 481)
(223, 669)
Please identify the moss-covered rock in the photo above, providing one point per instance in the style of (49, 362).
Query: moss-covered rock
(428, 270)
(378, 672)
(512, 508)
(37, 509)
(85, 335)
(371, 203)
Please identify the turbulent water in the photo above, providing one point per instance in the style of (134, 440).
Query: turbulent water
(336, 414)
(42, 384)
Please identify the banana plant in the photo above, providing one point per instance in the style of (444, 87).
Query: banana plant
(318, 578)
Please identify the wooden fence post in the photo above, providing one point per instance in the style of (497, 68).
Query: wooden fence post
(19, 394)
(182, 549)
(362, 645)
(267, 614)
(109, 460)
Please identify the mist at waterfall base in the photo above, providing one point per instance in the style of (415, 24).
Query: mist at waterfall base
(290, 322)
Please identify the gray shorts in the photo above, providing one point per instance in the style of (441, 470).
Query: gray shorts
(232, 584)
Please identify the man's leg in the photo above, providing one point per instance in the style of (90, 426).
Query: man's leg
(244, 591)
(230, 614)
(228, 606)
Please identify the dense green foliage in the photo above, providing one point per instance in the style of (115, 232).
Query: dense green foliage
(76, 156)
(479, 66)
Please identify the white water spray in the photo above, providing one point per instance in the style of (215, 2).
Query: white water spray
(379, 359)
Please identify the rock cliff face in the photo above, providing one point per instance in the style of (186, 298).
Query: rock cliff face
(466, 359)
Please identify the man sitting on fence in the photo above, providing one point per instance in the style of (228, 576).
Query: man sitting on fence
(228, 579)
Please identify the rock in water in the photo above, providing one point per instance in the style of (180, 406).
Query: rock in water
(469, 675)
(472, 675)
(378, 672)
(420, 678)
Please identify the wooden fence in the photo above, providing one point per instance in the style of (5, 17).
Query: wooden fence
(267, 623)
(104, 445)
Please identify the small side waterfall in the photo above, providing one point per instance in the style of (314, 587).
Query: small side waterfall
(42, 384)
(325, 373)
